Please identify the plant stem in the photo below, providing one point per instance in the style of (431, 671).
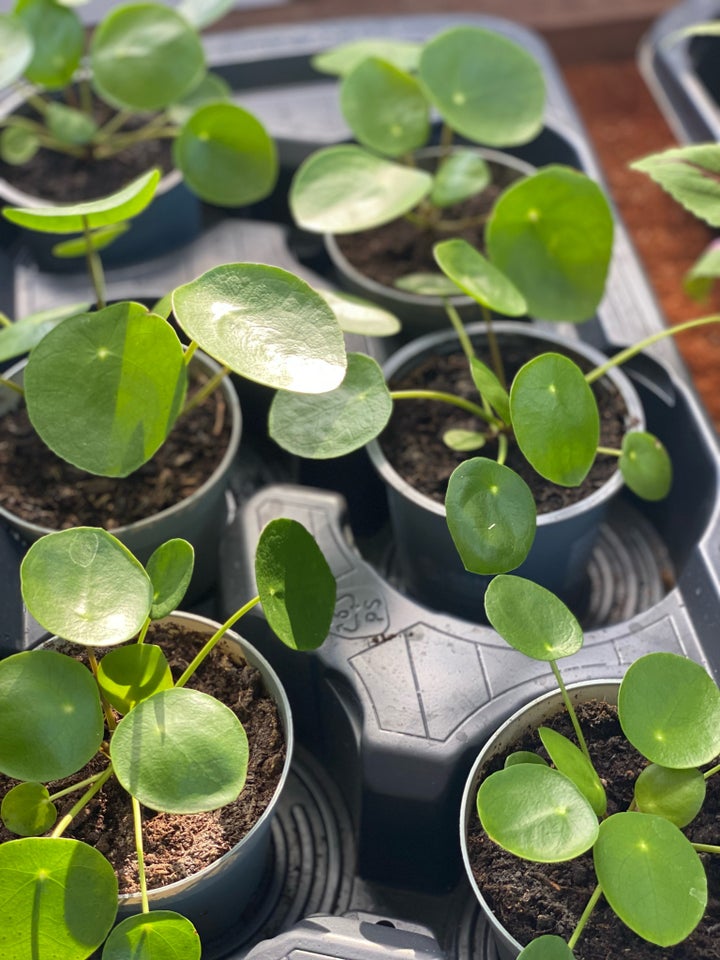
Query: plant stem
(189, 351)
(570, 709)
(712, 771)
(465, 341)
(86, 102)
(705, 848)
(502, 448)
(446, 138)
(205, 391)
(109, 718)
(450, 398)
(630, 352)
(94, 264)
(591, 904)
(609, 451)
(113, 124)
(143, 631)
(63, 824)
(12, 386)
(214, 640)
(137, 822)
(75, 786)
(493, 346)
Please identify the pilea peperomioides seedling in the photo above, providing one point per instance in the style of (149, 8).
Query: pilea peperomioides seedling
(146, 65)
(648, 869)
(60, 895)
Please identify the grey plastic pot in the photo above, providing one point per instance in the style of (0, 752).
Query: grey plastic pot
(427, 560)
(531, 716)
(198, 518)
(419, 314)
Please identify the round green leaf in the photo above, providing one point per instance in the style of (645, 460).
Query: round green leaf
(16, 49)
(226, 155)
(158, 935)
(491, 516)
(523, 756)
(356, 315)
(170, 569)
(428, 285)
(103, 390)
(145, 56)
(18, 145)
(486, 87)
(464, 440)
(344, 189)
(70, 125)
(295, 584)
(571, 761)
(22, 335)
(547, 947)
(59, 899)
(677, 795)
(98, 240)
(265, 324)
(463, 174)
(645, 465)
(532, 619)
(385, 108)
(85, 586)
(334, 423)
(340, 60)
(669, 709)
(27, 809)
(536, 813)
(651, 876)
(128, 675)
(551, 233)
(555, 418)
(51, 721)
(477, 277)
(71, 218)
(181, 751)
(58, 38)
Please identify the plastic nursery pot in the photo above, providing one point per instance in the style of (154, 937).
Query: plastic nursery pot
(419, 314)
(427, 560)
(529, 717)
(198, 518)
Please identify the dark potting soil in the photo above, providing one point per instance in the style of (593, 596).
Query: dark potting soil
(39, 487)
(177, 846)
(398, 248)
(413, 439)
(532, 899)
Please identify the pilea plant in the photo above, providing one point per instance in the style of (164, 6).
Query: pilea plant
(142, 78)
(647, 869)
(60, 895)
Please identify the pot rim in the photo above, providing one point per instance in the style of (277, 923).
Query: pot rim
(428, 343)
(36, 530)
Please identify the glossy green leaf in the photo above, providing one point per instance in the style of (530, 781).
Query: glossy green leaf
(491, 516)
(677, 795)
(211, 89)
(201, 13)
(428, 285)
(170, 569)
(344, 189)
(486, 87)
(296, 586)
(645, 465)
(523, 756)
(18, 145)
(130, 674)
(464, 440)
(334, 423)
(181, 751)
(385, 108)
(70, 125)
(463, 174)
(532, 619)
(551, 233)
(145, 56)
(58, 38)
(691, 175)
(547, 947)
(103, 390)
(536, 813)
(490, 388)
(265, 324)
(158, 935)
(356, 315)
(98, 240)
(51, 721)
(22, 335)
(700, 278)
(86, 586)
(571, 761)
(226, 155)
(555, 418)
(16, 49)
(470, 270)
(651, 876)
(340, 60)
(27, 809)
(59, 899)
(70, 218)
(669, 709)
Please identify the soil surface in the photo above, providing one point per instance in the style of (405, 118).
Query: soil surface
(532, 899)
(176, 846)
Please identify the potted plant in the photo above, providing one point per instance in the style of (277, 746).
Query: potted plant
(379, 195)
(118, 720)
(111, 111)
(549, 803)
